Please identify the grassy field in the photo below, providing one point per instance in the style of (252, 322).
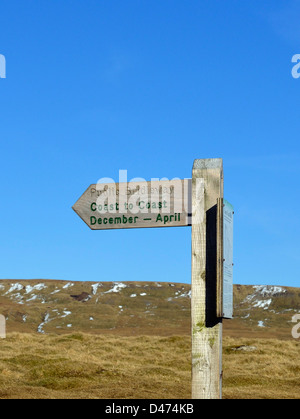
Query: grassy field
(107, 367)
(136, 341)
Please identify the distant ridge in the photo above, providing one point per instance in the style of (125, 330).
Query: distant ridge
(138, 308)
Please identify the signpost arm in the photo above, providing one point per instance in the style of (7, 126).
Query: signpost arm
(207, 187)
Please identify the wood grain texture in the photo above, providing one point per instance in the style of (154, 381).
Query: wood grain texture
(207, 187)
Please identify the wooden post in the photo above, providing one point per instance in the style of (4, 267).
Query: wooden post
(207, 187)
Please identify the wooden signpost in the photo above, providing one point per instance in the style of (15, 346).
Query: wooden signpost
(136, 205)
(196, 202)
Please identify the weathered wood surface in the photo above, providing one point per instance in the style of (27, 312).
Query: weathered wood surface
(227, 277)
(220, 257)
(136, 204)
(207, 187)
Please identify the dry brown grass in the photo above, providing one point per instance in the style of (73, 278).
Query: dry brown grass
(88, 366)
(269, 372)
(107, 367)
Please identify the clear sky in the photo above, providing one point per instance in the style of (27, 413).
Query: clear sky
(96, 86)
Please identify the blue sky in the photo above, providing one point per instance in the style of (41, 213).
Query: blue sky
(93, 87)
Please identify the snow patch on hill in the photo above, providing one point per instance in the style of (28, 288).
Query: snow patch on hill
(14, 287)
(269, 290)
(38, 287)
(187, 294)
(95, 288)
(40, 328)
(260, 298)
(68, 285)
(117, 287)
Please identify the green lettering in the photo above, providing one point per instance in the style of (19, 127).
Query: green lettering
(158, 218)
(93, 221)
(94, 207)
